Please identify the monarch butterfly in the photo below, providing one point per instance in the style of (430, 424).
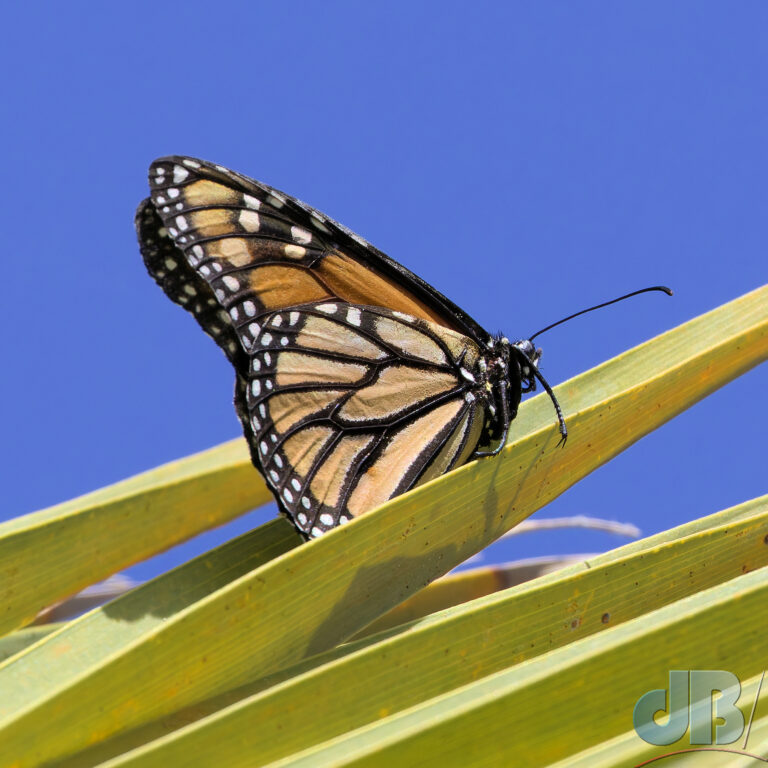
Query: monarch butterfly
(355, 379)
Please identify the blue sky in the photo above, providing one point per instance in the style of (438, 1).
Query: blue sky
(529, 159)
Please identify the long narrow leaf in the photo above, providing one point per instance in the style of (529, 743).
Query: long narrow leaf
(461, 587)
(628, 750)
(567, 700)
(478, 626)
(48, 555)
(16, 642)
(475, 640)
(308, 600)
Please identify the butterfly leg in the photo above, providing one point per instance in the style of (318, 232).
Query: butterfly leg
(558, 410)
(505, 419)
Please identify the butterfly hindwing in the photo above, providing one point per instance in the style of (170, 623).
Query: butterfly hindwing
(351, 405)
(354, 377)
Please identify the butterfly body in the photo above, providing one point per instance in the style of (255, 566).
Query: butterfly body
(355, 379)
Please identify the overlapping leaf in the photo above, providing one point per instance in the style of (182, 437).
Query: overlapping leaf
(357, 685)
(82, 684)
(565, 701)
(51, 554)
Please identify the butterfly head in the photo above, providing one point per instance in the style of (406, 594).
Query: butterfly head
(528, 356)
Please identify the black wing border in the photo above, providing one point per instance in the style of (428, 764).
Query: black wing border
(353, 243)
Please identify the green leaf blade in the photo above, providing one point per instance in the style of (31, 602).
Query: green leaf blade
(306, 601)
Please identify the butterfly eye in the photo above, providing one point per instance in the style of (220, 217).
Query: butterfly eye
(526, 347)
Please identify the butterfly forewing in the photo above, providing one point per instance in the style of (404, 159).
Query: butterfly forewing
(299, 251)
(354, 380)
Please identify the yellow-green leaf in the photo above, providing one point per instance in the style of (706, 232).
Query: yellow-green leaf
(16, 642)
(460, 645)
(308, 600)
(48, 555)
(566, 701)
(628, 750)
(457, 588)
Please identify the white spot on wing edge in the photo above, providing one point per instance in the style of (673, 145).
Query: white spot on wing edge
(179, 174)
(190, 163)
(326, 519)
(319, 222)
(329, 309)
(353, 316)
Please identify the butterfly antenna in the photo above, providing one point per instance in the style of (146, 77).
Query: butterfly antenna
(662, 288)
